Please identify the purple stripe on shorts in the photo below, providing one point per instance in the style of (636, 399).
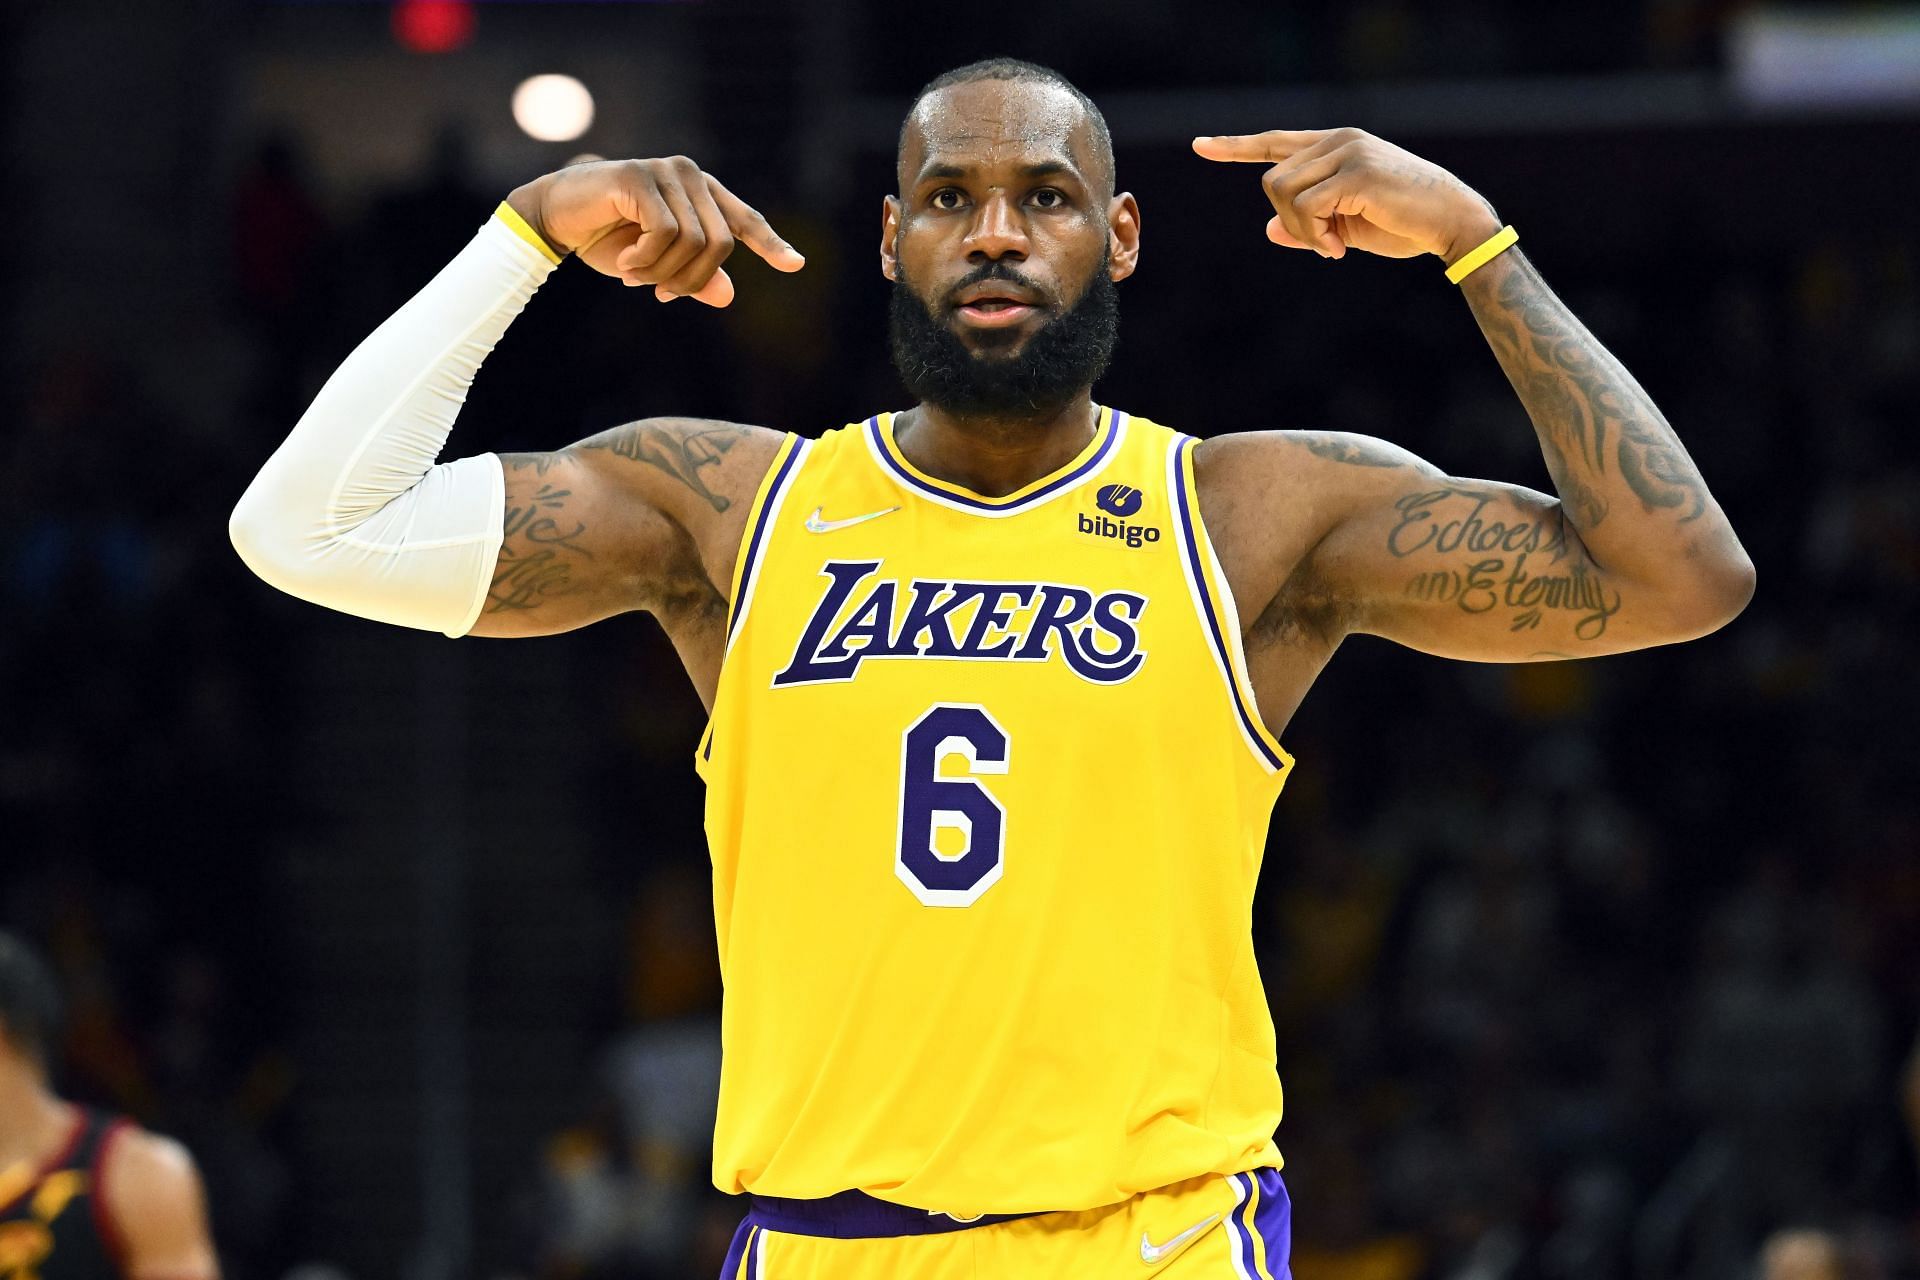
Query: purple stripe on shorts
(737, 1251)
(1273, 1219)
(1237, 1224)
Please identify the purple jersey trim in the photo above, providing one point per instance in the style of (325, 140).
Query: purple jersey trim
(1186, 519)
(998, 506)
(758, 536)
(750, 553)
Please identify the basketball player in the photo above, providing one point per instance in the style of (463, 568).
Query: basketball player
(83, 1195)
(996, 681)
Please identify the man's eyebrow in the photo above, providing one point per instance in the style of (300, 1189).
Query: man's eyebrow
(1039, 169)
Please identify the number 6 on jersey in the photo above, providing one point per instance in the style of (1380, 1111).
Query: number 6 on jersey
(931, 803)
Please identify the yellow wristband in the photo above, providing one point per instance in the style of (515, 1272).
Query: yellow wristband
(1483, 253)
(511, 216)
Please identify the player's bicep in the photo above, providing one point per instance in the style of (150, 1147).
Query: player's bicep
(626, 520)
(1477, 570)
(573, 547)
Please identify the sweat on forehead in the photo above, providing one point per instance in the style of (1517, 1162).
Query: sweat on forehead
(986, 121)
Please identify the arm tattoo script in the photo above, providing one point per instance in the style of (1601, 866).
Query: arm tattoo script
(1526, 566)
(1587, 408)
(539, 544)
(528, 520)
(681, 452)
(527, 580)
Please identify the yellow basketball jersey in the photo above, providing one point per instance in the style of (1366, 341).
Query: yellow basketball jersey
(987, 794)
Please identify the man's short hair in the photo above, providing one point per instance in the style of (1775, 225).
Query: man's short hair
(1021, 71)
(29, 999)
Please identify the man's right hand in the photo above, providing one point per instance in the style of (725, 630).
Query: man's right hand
(659, 222)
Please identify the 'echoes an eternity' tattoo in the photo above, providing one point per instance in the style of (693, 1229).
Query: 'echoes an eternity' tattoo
(1525, 565)
(1432, 521)
(1503, 581)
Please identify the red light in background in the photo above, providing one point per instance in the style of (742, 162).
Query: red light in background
(433, 26)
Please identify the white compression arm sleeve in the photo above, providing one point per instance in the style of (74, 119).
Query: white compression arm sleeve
(351, 512)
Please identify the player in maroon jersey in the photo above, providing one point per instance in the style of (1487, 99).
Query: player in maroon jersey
(84, 1195)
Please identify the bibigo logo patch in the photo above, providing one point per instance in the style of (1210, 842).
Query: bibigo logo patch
(1118, 500)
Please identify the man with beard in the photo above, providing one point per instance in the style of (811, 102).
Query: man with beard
(995, 681)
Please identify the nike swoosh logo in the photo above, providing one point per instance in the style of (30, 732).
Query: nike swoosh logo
(1152, 1254)
(816, 525)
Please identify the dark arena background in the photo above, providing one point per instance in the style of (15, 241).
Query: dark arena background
(1606, 970)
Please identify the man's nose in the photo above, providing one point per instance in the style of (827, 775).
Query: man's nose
(998, 231)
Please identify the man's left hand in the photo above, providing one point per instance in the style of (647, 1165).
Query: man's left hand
(1336, 189)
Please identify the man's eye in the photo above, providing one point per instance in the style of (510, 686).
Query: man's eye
(1048, 198)
(939, 200)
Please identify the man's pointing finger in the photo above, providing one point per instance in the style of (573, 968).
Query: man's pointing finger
(1258, 148)
(753, 230)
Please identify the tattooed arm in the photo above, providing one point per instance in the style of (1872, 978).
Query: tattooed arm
(1631, 492)
(354, 512)
(1373, 539)
(1633, 552)
(644, 516)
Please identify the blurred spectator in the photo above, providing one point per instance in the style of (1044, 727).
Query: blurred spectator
(626, 1195)
(413, 228)
(280, 246)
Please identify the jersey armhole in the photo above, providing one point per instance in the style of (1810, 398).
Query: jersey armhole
(1219, 619)
(746, 564)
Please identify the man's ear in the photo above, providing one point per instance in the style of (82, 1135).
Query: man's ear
(1123, 235)
(889, 238)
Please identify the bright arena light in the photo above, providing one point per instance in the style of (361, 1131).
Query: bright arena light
(553, 108)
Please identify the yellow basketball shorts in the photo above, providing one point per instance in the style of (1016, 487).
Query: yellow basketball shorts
(1215, 1227)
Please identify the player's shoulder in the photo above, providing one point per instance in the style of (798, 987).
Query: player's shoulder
(155, 1204)
(141, 1168)
(728, 453)
(1329, 463)
(1311, 450)
(698, 473)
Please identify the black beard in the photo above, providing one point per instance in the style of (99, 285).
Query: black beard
(1061, 359)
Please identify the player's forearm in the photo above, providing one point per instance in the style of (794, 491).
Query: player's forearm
(351, 511)
(1629, 488)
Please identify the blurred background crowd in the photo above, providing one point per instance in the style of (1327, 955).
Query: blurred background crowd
(1584, 970)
